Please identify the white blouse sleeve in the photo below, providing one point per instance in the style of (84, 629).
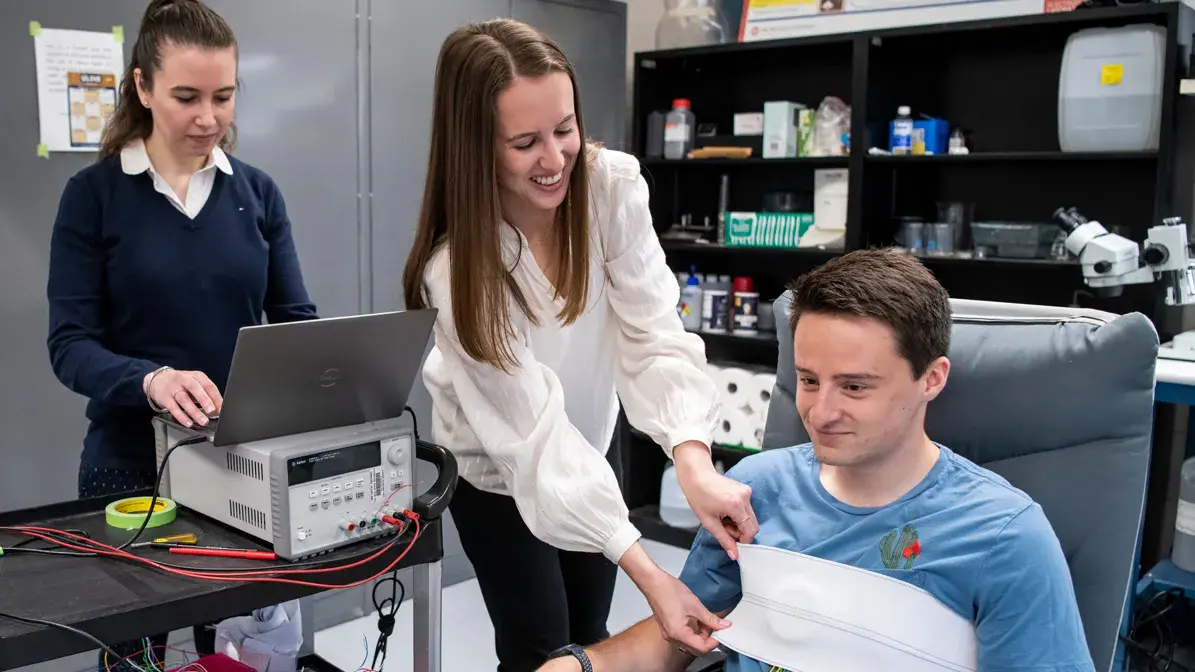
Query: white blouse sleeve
(564, 488)
(662, 380)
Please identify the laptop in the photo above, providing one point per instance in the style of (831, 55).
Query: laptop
(298, 377)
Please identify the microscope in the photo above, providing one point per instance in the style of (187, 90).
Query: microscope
(1110, 262)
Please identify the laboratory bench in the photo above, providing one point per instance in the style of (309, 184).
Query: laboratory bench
(118, 600)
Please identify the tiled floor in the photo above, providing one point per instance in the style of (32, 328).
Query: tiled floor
(467, 635)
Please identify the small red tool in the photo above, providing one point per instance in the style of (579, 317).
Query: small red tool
(224, 552)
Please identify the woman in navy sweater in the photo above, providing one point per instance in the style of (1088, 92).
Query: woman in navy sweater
(164, 249)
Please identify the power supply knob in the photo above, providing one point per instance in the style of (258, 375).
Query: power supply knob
(398, 454)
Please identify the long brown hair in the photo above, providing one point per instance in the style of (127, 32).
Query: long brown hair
(178, 22)
(460, 197)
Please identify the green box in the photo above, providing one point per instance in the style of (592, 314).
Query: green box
(766, 229)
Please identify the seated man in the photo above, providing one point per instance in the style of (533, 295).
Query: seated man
(872, 329)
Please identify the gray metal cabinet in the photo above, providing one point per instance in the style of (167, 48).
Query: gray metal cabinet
(593, 34)
(41, 422)
(297, 120)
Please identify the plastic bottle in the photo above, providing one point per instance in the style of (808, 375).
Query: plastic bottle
(655, 134)
(674, 508)
(902, 131)
(746, 307)
(679, 128)
(691, 23)
(958, 142)
(690, 298)
(1183, 552)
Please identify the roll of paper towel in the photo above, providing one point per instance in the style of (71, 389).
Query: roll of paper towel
(734, 384)
(735, 428)
(753, 438)
(759, 391)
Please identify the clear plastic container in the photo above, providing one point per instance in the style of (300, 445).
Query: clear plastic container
(674, 508)
(1017, 240)
(691, 23)
(939, 239)
(679, 128)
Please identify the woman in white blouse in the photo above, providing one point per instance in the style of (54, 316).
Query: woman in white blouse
(555, 303)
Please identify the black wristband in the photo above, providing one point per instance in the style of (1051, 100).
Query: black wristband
(576, 652)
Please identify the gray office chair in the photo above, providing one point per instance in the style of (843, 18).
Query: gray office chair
(1060, 402)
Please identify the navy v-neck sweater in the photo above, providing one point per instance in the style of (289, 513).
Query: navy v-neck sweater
(135, 284)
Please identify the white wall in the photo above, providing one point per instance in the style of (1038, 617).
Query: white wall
(642, 18)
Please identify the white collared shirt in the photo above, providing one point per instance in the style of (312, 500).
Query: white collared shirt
(539, 433)
(134, 160)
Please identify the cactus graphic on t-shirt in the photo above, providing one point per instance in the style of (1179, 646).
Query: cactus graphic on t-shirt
(894, 551)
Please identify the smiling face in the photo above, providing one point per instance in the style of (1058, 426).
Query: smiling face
(538, 142)
(856, 394)
(192, 97)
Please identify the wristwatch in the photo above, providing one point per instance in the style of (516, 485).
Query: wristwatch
(576, 652)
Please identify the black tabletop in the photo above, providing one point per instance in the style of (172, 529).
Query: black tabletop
(117, 600)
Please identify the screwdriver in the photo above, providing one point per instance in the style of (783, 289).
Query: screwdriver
(189, 538)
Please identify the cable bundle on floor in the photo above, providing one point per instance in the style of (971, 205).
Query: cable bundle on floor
(1148, 619)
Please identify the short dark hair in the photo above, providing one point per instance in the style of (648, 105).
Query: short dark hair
(888, 285)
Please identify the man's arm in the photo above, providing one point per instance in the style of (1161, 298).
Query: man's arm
(709, 572)
(641, 648)
(1027, 617)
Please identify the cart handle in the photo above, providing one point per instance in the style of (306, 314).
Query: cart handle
(432, 504)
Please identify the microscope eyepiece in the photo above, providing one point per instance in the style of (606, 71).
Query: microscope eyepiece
(1069, 219)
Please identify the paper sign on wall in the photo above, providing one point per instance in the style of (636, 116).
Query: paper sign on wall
(78, 75)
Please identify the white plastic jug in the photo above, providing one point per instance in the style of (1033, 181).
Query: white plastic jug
(674, 508)
(1110, 89)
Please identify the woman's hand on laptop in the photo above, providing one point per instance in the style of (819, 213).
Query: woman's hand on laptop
(722, 505)
(190, 396)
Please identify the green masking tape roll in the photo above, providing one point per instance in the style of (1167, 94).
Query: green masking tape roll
(128, 514)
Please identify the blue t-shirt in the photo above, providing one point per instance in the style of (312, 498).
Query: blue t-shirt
(979, 545)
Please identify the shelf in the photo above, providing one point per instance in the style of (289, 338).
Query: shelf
(822, 161)
(930, 260)
(1014, 157)
(1079, 16)
(1165, 576)
(763, 338)
(710, 248)
(647, 519)
(1141, 13)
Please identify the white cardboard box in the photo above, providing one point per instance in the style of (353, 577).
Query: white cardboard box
(748, 123)
(780, 129)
